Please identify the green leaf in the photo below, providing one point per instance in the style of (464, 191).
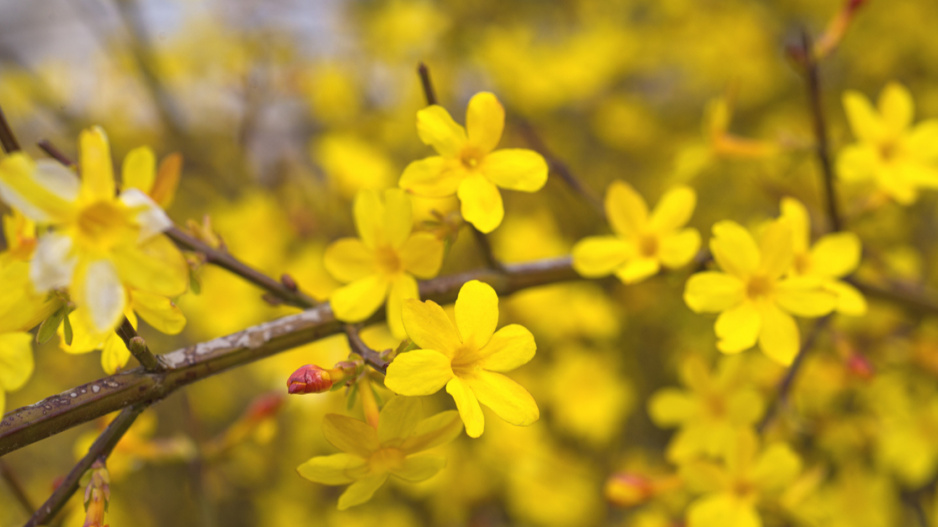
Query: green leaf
(50, 325)
(194, 284)
(350, 403)
(68, 330)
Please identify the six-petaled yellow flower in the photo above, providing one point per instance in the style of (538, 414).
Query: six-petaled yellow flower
(370, 456)
(466, 358)
(898, 157)
(642, 243)
(753, 295)
(468, 164)
(382, 263)
(100, 243)
(832, 257)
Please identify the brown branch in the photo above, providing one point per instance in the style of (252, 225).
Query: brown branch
(358, 346)
(89, 401)
(46, 146)
(138, 347)
(424, 72)
(912, 301)
(100, 449)
(785, 385)
(822, 147)
(7, 137)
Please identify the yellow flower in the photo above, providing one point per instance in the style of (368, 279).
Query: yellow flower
(753, 296)
(382, 263)
(100, 243)
(900, 158)
(371, 456)
(732, 490)
(466, 357)
(833, 256)
(714, 408)
(642, 244)
(16, 362)
(466, 164)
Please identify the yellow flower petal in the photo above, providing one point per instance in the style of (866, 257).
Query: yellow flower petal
(637, 269)
(419, 468)
(485, 119)
(361, 491)
(167, 179)
(433, 177)
(360, 299)
(350, 435)
(159, 311)
(99, 294)
(481, 203)
(738, 328)
(674, 210)
(53, 262)
(114, 354)
(422, 255)
(597, 256)
(97, 172)
(626, 209)
(156, 266)
(776, 248)
(43, 191)
(433, 431)
(778, 338)
(776, 468)
(16, 361)
(418, 372)
(923, 140)
(337, 469)
(139, 170)
(896, 108)
(509, 348)
(804, 296)
(399, 417)
(429, 326)
(734, 249)
(676, 250)
(476, 313)
(850, 301)
(857, 162)
(515, 169)
(797, 217)
(348, 259)
(836, 255)
(864, 121)
(403, 287)
(398, 217)
(712, 292)
(468, 406)
(722, 510)
(437, 128)
(369, 218)
(670, 407)
(505, 397)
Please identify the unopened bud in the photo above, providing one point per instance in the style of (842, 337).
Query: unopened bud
(628, 490)
(309, 379)
(266, 405)
(860, 366)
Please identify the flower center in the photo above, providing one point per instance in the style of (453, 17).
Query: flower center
(385, 460)
(888, 150)
(388, 260)
(759, 287)
(648, 245)
(470, 157)
(104, 224)
(802, 263)
(465, 361)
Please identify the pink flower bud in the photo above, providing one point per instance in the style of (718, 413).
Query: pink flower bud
(860, 366)
(309, 379)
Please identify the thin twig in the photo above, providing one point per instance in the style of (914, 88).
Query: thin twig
(427, 84)
(7, 137)
(138, 347)
(785, 385)
(18, 491)
(358, 347)
(184, 366)
(486, 247)
(54, 152)
(822, 147)
(913, 301)
(100, 449)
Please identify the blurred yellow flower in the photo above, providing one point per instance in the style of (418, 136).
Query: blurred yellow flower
(833, 256)
(466, 357)
(642, 244)
(753, 296)
(100, 243)
(382, 263)
(732, 490)
(16, 362)
(900, 158)
(371, 456)
(468, 166)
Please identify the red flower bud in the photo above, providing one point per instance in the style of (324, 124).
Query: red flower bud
(309, 379)
(629, 490)
(860, 366)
